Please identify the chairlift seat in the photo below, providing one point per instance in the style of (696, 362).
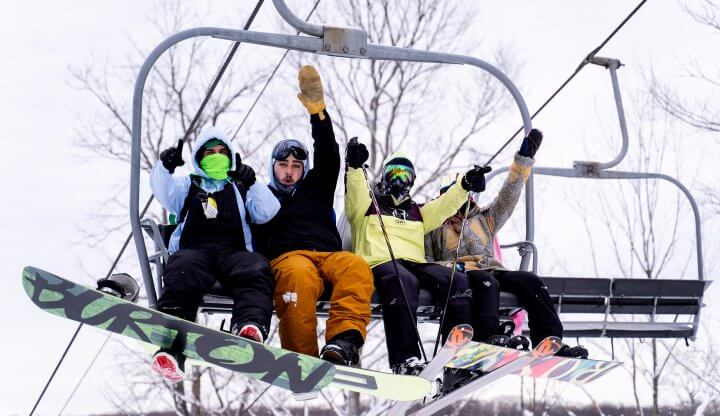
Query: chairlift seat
(579, 295)
(428, 307)
(608, 298)
(594, 329)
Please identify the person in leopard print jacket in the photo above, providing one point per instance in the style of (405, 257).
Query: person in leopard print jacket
(487, 275)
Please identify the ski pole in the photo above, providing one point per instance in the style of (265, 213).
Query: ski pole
(452, 273)
(392, 258)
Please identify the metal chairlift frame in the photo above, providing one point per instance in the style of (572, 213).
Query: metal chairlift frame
(600, 170)
(350, 42)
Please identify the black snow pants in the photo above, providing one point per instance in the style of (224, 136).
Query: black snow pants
(399, 326)
(532, 296)
(245, 276)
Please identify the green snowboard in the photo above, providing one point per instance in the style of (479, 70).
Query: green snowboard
(289, 370)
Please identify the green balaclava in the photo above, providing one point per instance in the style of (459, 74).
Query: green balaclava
(215, 165)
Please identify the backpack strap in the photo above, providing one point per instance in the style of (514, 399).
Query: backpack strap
(192, 192)
(195, 189)
(243, 194)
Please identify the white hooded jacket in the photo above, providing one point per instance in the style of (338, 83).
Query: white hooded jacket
(171, 191)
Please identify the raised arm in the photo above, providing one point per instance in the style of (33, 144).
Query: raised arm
(504, 204)
(170, 190)
(357, 194)
(326, 153)
(435, 212)
(502, 207)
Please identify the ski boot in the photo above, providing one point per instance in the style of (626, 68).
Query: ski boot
(248, 330)
(454, 378)
(121, 285)
(572, 352)
(519, 342)
(169, 365)
(411, 367)
(340, 352)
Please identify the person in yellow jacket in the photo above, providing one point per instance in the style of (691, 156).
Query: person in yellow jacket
(303, 243)
(406, 223)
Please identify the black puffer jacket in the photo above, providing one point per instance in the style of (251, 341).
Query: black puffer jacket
(306, 220)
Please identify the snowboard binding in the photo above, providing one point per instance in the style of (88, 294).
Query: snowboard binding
(505, 338)
(121, 285)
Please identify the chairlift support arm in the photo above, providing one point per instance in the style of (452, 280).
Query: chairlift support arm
(599, 170)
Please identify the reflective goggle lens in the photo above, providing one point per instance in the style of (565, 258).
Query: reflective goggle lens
(288, 148)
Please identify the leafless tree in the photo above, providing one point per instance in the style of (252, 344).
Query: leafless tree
(642, 225)
(700, 111)
(177, 85)
(429, 112)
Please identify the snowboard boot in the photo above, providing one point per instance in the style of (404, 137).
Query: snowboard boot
(340, 352)
(248, 330)
(170, 365)
(411, 367)
(454, 378)
(121, 285)
(519, 342)
(572, 352)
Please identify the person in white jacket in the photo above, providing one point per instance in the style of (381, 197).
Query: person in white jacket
(214, 208)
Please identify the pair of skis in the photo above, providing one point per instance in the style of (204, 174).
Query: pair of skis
(496, 362)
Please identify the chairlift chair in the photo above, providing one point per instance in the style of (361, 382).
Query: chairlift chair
(607, 298)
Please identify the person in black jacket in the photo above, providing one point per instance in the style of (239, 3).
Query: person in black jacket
(304, 245)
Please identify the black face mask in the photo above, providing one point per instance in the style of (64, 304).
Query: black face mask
(393, 194)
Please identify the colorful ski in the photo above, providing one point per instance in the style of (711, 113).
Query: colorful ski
(296, 372)
(487, 358)
(507, 365)
(458, 337)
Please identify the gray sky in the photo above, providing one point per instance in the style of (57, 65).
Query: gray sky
(51, 185)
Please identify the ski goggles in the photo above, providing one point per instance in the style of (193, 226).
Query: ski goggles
(399, 174)
(289, 147)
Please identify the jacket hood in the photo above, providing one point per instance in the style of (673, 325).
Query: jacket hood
(271, 166)
(206, 135)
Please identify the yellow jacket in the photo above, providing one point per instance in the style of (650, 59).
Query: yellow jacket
(406, 224)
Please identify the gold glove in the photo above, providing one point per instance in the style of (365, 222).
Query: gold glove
(311, 90)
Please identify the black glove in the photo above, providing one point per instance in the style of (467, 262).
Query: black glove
(356, 153)
(243, 174)
(474, 179)
(531, 143)
(172, 157)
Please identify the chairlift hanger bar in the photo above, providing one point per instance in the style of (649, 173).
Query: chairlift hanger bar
(599, 170)
(335, 41)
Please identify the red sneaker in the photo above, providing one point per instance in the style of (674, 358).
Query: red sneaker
(249, 331)
(165, 364)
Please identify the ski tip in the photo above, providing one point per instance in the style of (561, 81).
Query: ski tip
(459, 335)
(546, 347)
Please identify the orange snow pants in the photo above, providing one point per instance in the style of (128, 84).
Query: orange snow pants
(300, 278)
